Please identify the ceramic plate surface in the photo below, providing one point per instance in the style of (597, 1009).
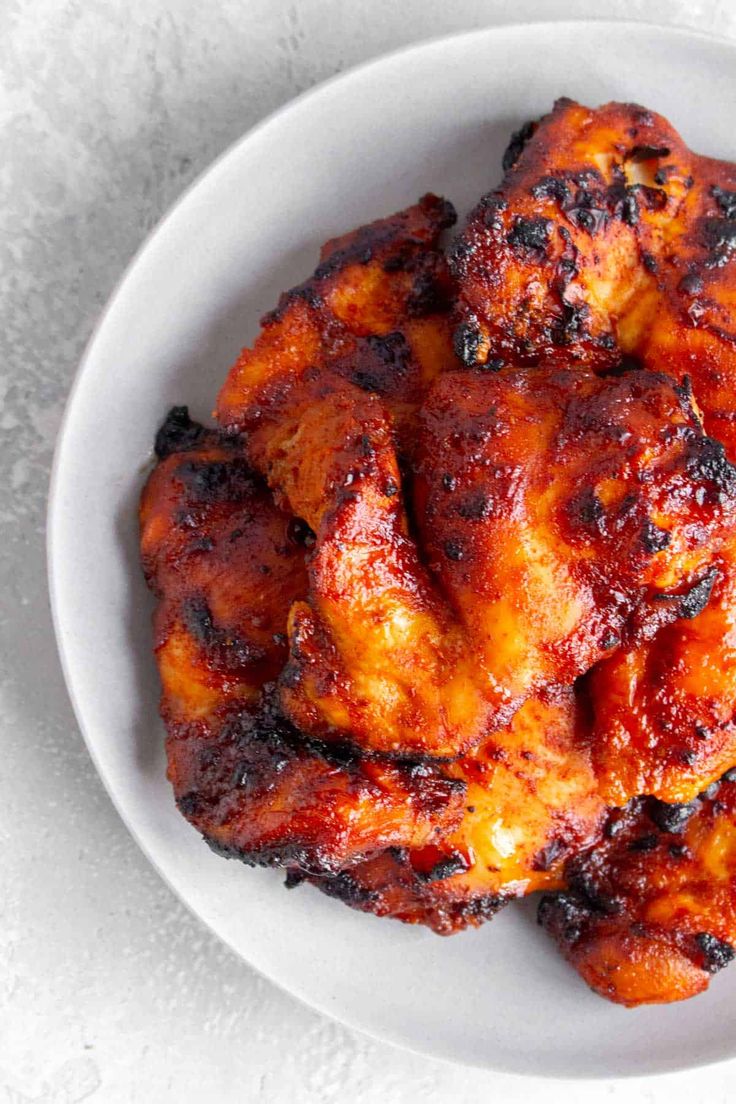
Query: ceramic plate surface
(436, 117)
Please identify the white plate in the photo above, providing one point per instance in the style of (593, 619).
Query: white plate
(433, 117)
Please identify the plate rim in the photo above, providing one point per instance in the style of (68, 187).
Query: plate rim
(53, 507)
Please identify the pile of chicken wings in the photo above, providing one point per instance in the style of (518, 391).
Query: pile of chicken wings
(447, 600)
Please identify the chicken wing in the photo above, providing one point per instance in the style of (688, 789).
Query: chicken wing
(376, 313)
(226, 565)
(607, 237)
(650, 913)
(531, 800)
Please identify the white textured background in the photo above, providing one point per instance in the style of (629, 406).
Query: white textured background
(109, 990)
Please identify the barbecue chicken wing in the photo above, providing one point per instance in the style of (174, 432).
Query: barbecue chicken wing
(650, 913)
(375, 313)
(530, 800)
(226, 564)
(607, 237)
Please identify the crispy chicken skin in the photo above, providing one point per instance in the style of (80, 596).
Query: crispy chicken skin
(375, 313)
(539, 764)
(226, 564)
(664, 720)
(607, 236)
(650, 913)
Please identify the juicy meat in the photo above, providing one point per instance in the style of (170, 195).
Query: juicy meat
(226, 564)
(650, 913)
(607, 237)
(531, 800)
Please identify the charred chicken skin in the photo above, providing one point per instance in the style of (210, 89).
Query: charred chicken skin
(540, 763)
(664, 720)
(607, 237)
(445, 604)
(650, 913)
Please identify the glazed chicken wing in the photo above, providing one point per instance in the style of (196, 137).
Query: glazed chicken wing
(226, 565)
(607, 237)
(531, 800)
(650, 913)
(374, 313)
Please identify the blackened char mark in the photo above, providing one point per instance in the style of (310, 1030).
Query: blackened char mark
(466, 343)
(211, 481)
(697, 598)
(716, 953)
(672, 818)
(381, 358)
(519, 139)
(647, 153)
(443, 868)
(530, 234)
(177, 433)
(726, 200)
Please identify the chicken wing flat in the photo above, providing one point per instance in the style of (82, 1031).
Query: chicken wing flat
(375, 313)
(226, 564)
(531, 800)
(650, 913)
(608, 236)
(210, 535)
